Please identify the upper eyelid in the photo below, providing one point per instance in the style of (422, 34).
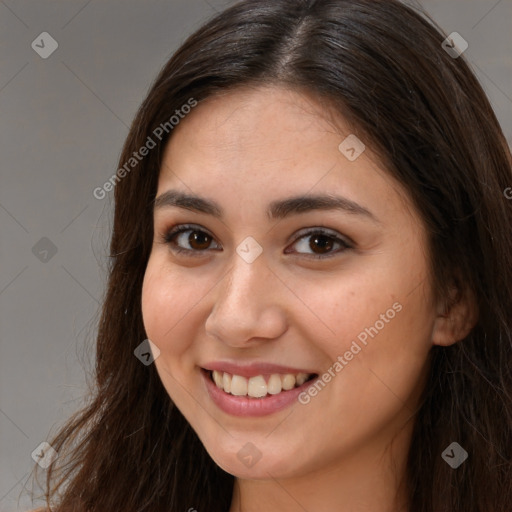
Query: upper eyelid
(196, 227)
(179, 229)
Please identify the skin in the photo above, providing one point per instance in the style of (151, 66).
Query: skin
(346, 449)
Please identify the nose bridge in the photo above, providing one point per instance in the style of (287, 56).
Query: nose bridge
(245, 303)
(241, 288)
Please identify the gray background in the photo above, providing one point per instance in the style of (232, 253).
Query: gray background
(63, 121)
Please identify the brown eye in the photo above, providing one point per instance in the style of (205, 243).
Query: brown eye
(323, 242)
(320, 244)
(188, 239)
(199, 240)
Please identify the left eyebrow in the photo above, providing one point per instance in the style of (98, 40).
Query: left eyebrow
(277, 209)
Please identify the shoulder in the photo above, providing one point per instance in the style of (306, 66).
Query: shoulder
(41, 509)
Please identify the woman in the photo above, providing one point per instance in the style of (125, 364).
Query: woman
(311, 228)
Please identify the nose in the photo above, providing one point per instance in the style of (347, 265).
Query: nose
(248, 307)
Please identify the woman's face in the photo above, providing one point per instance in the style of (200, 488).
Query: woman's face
(342, 293)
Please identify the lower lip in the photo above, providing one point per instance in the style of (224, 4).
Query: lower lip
(248, 406)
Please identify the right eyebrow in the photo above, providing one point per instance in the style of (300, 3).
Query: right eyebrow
(278, 209)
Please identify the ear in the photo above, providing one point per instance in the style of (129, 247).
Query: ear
(456, 316)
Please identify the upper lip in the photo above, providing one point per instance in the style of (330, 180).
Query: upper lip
(252, 369)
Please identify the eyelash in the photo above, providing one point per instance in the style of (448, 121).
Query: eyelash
(168, 239)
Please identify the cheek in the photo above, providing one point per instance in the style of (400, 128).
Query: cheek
(361, 306)
(380, 322)
(155, 293)
(168, 315)
(385, 354)
(167, 303)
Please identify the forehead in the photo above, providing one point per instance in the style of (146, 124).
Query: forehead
(250, 116)
(270, 142)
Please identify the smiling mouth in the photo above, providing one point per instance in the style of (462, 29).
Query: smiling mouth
(259, 386)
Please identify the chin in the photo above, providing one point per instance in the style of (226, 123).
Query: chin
(243, 460)
(262, 470)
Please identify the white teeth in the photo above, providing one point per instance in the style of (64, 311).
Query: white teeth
(289, 381)
(257, 387)
(238, 385)
(226, 382)
(301, 378)
(274, 384)
(218, 379)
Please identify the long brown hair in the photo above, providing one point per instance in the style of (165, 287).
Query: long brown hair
(382, 64)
